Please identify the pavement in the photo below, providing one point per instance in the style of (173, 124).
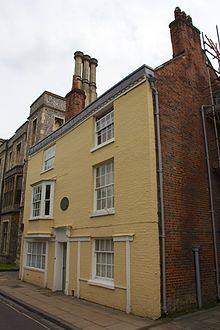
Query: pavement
(73, 314)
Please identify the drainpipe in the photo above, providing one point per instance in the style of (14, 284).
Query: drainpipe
(195, 250)
(160, 176)
(211, 199)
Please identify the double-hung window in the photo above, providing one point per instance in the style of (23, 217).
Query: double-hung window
(49, 157)
(36, 254)
(42, 200)
(104, 187)
(5, 234)
(105, 128)
(104, 259)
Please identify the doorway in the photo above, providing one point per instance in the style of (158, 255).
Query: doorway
(64, 245)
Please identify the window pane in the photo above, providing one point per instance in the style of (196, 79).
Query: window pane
(104, 258)
(36, 255)
(104, 128)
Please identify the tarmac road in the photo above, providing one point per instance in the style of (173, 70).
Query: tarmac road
(14, 317)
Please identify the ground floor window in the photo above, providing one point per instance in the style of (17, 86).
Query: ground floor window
(104, 259)
(36, 254)
(5, 233)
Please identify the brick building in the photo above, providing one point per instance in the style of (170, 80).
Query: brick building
(186, 95)
(183, 87)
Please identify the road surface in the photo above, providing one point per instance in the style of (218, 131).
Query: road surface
(14, 317)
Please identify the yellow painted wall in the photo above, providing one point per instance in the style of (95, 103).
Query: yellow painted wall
(33, 276)
(135, 201)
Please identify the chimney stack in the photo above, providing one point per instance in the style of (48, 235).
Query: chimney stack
(92, 84)
(83, 90)
(185, 36)
(86, 76)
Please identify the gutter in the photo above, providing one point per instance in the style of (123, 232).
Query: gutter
(161, 195)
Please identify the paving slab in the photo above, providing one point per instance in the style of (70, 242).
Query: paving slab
(73, 313)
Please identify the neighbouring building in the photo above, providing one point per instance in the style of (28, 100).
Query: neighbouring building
(12, 154)
(47, 114)
(122, 201)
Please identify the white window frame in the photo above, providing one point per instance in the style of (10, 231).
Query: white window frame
(106, 282)
(42, 201)
(39, 257)
(105, 127)
(49, 157)
(105, 210)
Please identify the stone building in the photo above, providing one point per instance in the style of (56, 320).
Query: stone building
(47, 114)
(12, 156)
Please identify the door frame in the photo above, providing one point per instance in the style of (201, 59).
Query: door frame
(61, 238)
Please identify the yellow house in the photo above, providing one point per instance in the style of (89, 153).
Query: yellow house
(90, 217)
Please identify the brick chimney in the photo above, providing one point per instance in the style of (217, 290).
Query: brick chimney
(83, 90)
(184, 36)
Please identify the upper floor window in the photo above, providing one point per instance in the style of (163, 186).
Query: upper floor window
(34, 131)
(104, 187)
(8, 195)
(105, 128)
(49, 157)
(58, 122)
(42, 200)
(18, 189)
(10, 160)
(18, 153)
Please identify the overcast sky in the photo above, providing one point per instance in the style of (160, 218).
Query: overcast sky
(39, 37)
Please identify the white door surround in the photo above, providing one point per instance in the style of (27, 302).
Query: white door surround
(61, 266)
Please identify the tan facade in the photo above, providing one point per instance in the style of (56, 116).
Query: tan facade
(69, 256)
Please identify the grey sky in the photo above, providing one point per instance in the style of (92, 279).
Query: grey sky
(39, 37)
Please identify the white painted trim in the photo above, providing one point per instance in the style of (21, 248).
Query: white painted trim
(55, 267)
(128, 278)
(38, 235)
(43, 184)
(103, 283)
(78, 271)
(116, 286)
(40, 270)
(46, 267)
(44, 158)
(101, 213)
(67, 268)
(121, 287)
(99, 146)
(79, 239)
(123, 238)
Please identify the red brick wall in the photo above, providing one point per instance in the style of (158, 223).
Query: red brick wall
(75, 102)
(183, 87)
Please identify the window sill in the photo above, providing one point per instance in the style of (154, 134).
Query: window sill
(108, 284)
(40, 218)
(45, 171)
(34, 269)
(102, 145)
(102, 213)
